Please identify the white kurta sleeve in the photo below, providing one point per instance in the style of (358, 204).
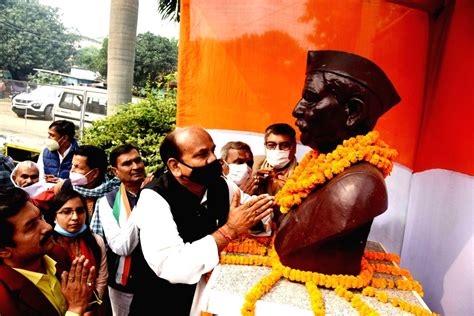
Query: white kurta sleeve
(122, 240)
(163, 248)
(40, 164)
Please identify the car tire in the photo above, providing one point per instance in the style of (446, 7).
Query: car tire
(48, 113)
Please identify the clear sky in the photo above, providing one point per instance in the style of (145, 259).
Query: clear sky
(91, 17)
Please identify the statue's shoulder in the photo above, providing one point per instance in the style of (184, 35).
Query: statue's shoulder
(359, 185)
(349, 200)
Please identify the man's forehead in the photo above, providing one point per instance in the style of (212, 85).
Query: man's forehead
(195, 149)
(26, 214)
(278, 138)
(193, 140)
(80, 161)
(234, 153)
(131, 155)
(52, 131)
(29, 170)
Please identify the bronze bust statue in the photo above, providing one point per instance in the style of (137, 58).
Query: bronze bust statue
(344, 94)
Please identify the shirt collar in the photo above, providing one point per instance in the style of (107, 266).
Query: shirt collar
(35, 277)
(65, 152)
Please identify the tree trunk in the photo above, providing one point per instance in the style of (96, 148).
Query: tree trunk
(121, 52)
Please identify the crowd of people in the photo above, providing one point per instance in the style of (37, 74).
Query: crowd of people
(75, 241)
(139, 236)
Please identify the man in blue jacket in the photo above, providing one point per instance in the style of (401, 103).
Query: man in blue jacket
(55, 160)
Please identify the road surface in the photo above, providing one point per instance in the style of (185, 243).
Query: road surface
(30, 132)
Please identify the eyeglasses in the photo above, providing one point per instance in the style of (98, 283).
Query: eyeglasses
(67, 212)
(282, 146)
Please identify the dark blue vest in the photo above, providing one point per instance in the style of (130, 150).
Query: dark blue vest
(194, 222)
(52, 165)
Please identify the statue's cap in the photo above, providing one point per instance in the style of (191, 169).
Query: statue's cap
(356, 68)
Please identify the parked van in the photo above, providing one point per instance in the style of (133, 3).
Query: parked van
(70, 105)
(38, 102)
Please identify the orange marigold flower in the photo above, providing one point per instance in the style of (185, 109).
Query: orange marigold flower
(315, 169)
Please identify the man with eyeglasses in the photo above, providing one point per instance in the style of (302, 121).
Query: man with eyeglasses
(270, 172)
(31, 282)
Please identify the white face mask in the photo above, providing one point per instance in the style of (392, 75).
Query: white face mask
(52, 144)
(277, 158)
(239, 173)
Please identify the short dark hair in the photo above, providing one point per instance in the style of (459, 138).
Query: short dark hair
(120, 150)
(169, 148)
(281, 129)
(96, 158)
(64, 127)
(237, 146)
(12, 200)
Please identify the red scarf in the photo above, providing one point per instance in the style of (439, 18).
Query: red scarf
(75, 247)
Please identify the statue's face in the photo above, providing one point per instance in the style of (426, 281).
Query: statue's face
(327, 108)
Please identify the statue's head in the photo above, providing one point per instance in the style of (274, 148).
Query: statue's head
(343, 96)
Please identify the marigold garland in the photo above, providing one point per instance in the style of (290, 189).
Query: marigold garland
(355, 301)
(316, 298)
(315, 169)
(372, 255)
(246, 260)
(325, 280)
(388, 269)
(262, 287)
(365, 281)
(384, 297)
(256, 247)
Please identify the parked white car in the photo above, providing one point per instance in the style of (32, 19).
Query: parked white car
(38, 102)
(71, 106)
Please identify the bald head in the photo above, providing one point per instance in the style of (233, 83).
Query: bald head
(182, 140)
(189, 134)
(25, 173)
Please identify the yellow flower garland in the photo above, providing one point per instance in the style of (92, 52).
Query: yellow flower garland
(317, 303)
(261, 288)
(355, 301)
(315, 169)
(383, 297)
(341, 284)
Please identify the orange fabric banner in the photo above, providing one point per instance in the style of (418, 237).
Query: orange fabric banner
(242, 62)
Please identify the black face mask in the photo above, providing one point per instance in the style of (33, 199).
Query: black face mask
(205, 175)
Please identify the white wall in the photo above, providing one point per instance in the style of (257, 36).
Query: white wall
(389, 227)
(438, 244)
